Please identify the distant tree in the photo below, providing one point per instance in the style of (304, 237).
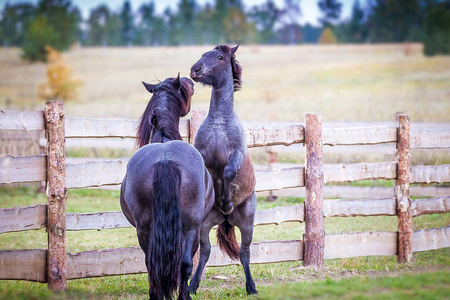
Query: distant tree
(204, 30)
(331, 12)
(437, 30)
(236, 26)
(265, 16)
(171, 31)
(357, 25)
(113, 27)
(219, 16)
(55, 24)
(39, 35)
(311, 34)
(127, 31)
(14, 20)
(98, 26)
(186, 15)
(327, 37)
(290, 34)
(356, 29)
(146, 28)
(64, 18)
(292, 13)
(60, 84)
(396, 20)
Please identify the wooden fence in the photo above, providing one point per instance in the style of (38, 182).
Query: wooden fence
(55, 266)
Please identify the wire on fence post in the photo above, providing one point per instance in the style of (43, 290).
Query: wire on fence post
(405, 227)
(56, 196)
(314, 238)
(197, 118)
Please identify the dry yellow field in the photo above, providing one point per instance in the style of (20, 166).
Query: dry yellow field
(343, 83)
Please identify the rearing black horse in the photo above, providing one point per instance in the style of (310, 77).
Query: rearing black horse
(167, 190)
(222, 144)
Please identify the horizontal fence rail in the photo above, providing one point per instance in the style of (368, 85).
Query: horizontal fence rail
(436, 138)
(30, 264)
(111, 172)
(34, 217)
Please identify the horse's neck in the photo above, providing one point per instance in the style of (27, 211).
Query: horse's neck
(166, 130)
(222, 100)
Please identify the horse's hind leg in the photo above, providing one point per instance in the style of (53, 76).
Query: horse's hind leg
(143, 238)
(245, 225)
(186, 264)
(213, 218)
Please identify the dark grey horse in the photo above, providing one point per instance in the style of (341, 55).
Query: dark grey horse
(222, 144)
(167, 190)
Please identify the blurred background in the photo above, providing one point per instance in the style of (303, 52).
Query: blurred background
(350, 60)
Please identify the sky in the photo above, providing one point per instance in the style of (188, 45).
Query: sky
(309, 8)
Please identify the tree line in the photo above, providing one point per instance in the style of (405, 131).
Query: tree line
(59, 23)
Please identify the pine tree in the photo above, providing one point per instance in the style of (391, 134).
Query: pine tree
(186, 12)
(127, 31)
(39, 35)
(331, 11)
(437, 30)
(14, 21)
(265, 17)
(98, 31)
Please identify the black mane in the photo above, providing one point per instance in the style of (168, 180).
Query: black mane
(235, 66)
(161, 116)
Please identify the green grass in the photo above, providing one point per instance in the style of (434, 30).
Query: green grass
(350, 278)
(427, 278)
(432, 285)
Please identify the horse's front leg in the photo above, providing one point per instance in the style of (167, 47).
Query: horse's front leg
(229, 173)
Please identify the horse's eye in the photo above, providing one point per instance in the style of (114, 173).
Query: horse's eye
(219, 57)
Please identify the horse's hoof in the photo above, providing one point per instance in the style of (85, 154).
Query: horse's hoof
(226, 213)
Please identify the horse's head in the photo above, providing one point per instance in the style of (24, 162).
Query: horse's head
(171, 100)
(180, 90)
(215, 67)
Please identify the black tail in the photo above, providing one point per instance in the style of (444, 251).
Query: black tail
(226, 238)
(165, 249)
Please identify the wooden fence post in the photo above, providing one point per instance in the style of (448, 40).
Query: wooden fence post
(56, 196)
(405, 228)
(314, 238)
(272, 160)
(197, 118)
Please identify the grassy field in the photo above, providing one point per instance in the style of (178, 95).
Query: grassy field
(343, 83)
(352, 278)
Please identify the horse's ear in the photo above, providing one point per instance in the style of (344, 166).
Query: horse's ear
(149, 87)
(176, 82)
(234, 49)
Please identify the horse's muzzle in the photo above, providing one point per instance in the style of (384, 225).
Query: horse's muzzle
(197, 72)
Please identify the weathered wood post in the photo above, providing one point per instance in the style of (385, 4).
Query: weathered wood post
(56, 196)
(314, 238)
(272, 160)
(197, 118)
(405, 227)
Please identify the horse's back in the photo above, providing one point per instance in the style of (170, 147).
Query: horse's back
(186, 157)
(194, 185)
